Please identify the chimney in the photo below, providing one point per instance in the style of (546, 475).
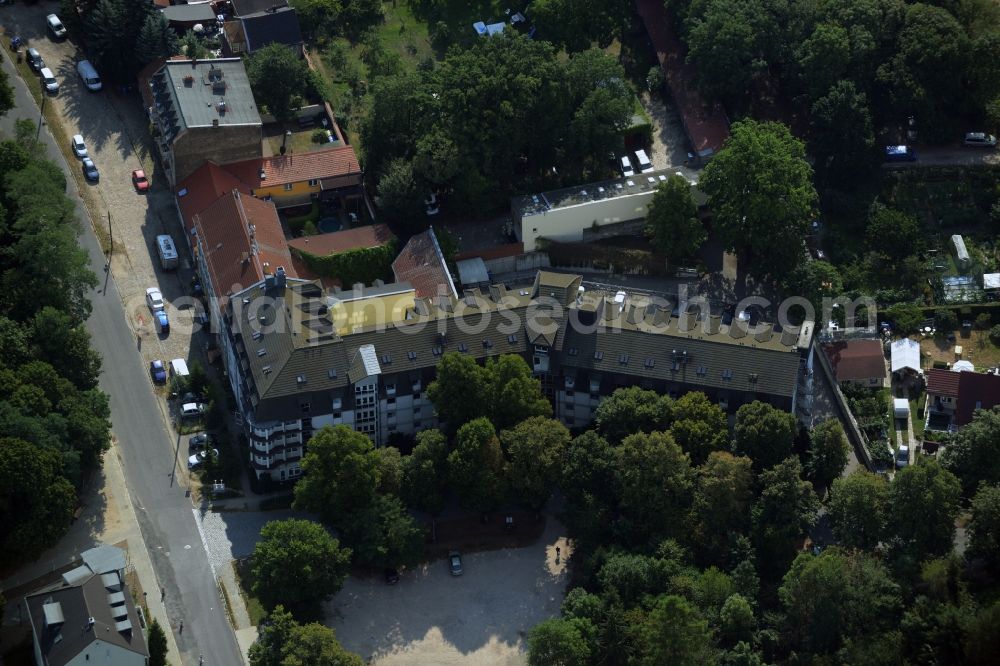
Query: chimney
(279, 277)
(358, 287)
(215, 122)
(246, 257)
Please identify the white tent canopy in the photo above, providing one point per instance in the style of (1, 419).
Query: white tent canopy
(905, 354)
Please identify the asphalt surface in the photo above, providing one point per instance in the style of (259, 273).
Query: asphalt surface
(166, 515)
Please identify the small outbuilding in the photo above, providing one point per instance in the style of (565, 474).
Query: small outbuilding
(906, 356)
(900, 408)
(961, 253)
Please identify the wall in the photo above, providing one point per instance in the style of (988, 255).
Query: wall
(846, 418)
(293, 194)
(222, 145)
(568, 223)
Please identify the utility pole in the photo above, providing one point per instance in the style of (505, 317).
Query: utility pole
(111, 238)
(41, 115)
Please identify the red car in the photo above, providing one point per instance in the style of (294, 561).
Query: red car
(139, 180)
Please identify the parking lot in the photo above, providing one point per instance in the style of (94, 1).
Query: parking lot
(115, 129)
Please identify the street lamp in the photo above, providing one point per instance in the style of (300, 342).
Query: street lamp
(41, 114)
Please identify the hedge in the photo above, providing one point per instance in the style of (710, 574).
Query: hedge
(363, 265)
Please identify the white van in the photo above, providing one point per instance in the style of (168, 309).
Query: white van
(179, 368)
(89, 75)
(168, 252)
(645, 166)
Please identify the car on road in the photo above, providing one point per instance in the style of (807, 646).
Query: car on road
(455, 563)
(191, 410)
(627, 169)
(900, 154)
(198, 459)
(199, 442)
(55, 26)
(980, 139)
(90, 171)
(34, 59)
(158, 371)
(154, 299)
(79, 147)
(48, 80)
(391, 576)
(139, 181)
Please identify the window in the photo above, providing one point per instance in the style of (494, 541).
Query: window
(649, 363)
(623, 359)
(573, 351)
(487, 343)
(313, 182)
(727, 375)
(702, 370)
(416, 395)
(541, 349)
(337, 415)
(462, 347)
(332, 373)
(390, 389)
(288, 187)
(512, 339)
(300, 379)
(752, 378)
(412, 355)
(390, 402)
(387, 359)
(261, 352)
(436, 351)
(304, 406)
(598, 355)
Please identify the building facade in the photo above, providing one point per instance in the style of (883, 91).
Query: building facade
(293, 373)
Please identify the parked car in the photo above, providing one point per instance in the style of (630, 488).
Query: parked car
(90, 171)
(627, 169)
(154, 299)
(645, 165)
(391, 576)
(55, 26)
(198, 459)
(455, 563)
(49, 80)
(820, 254)
(162, 322)
(980, 139)
(158, 371)
(900, 154)
(902, 457)
(79, 147)
(431, 206)
(139, 181)
(35, 59)
(199, 442)
(192, 410)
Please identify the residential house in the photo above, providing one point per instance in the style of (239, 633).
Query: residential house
(860, 362)
(953, 396)
(244, 35)
(87, 617)
(295, 179)
(422, 264)
(292, 373)
(202, 110)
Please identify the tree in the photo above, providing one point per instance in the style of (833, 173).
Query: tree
(835, 596)
(390, 470)
(627, 578)
(535, 448)
(383, 534)
(974, 453)
(859, 510)
(727, 41)
(699, 426)
(110, 31)
(192, 46)
(824, 58)
(317, 17)
(907, 317)
(36, 501)
(784, 511)
(631, 410)
(279, 79)
(157, 39)
(893, 234)
(460, 391)
(672, 222)
(931, 494)
(722, 499)
(842, 136)
(282, 641)
(761, 193)
(764, 434)
(575, 26)
(654, 483)
(814, 281)
(828, 451)
(425, 471)
(984, 529)
(588, 470)
(674, 633)
(297, 562)
(65, 345)
(272, 635)
(340, 474)
(476, 468)
(557, 642)
(6, 94)
(157, 644)
(736, 621)
(514, 393)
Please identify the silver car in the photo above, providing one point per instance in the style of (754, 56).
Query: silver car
(980, 139)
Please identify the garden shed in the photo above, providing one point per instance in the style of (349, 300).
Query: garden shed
(906, 356)
(961, 253)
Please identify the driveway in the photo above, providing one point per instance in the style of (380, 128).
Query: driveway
(430, 617)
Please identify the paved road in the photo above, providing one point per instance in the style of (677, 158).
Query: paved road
(165, 513)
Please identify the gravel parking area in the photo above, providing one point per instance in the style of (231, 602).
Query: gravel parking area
(231, 535)
(669, 142)
(431, 617)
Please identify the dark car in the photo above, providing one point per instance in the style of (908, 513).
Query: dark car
(158, 372)
(200, 441)
(34, 59)
(900, 154)
(391, 576)
(162, 322)
(455, 563)
(90, 171)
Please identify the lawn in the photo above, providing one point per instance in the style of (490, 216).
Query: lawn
(244, 576)
(976, 348)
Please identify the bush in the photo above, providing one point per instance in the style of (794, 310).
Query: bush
(945, 320)
(655, 79)
(363, 265)
(995, 335)
(319, 136)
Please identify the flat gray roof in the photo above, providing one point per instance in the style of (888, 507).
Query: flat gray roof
(205, 91)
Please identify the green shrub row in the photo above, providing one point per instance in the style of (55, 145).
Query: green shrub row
(363, 265)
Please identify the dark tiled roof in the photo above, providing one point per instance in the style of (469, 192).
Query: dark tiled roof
(247, 7)
(943, 382)
(855, 360)
(266, 27)
(372, 235)
(421, 264)
(976, 390)
(64, 642)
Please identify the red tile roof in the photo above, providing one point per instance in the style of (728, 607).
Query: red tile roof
(942, 382)
(421, 264)
(203, 188)
(242, 239)
(372, 235)
(707, 126)
(855, 360)
(296, 168)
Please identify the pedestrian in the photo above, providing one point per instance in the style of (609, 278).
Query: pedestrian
(557, 553)
(181, 630)
(163, 593)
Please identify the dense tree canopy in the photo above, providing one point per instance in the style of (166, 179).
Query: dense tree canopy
(340, 474)
(974, 453)
(476, 467)
(631, 410)
(535, 449)
(858, 509)
(764, 434)
(932, 494)
(282, 641)
(279, 79)
(828, 451)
